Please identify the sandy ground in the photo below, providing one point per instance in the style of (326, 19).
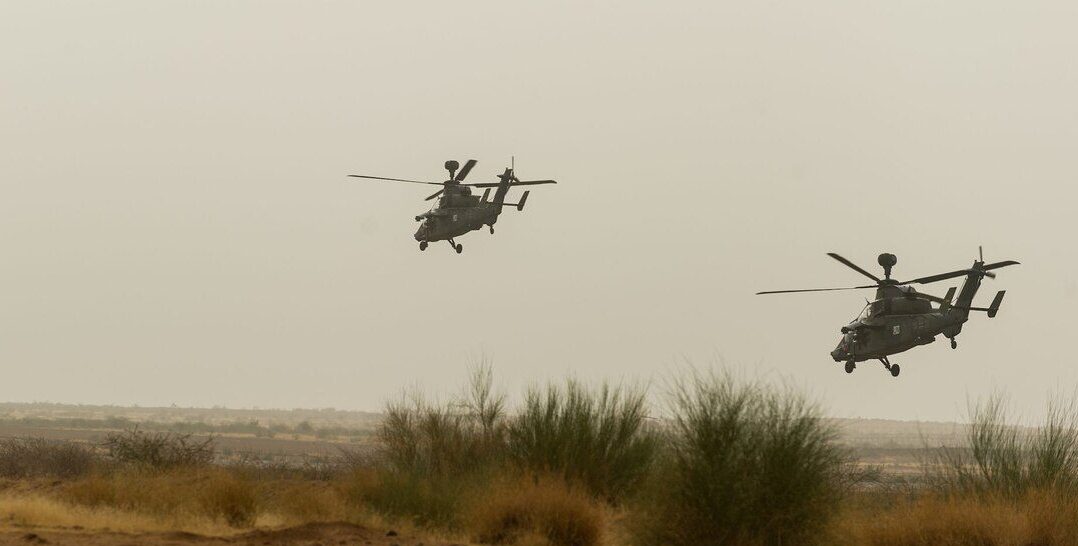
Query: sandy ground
(310, 534)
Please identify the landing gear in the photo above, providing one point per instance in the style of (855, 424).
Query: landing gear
(850, 366)
(893, 368)
(422, 245)
(954, 344)
(456, 246)
(492, 229)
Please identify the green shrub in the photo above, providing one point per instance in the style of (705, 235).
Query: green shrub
(1003, 458)
(746, 464)
(595, 438)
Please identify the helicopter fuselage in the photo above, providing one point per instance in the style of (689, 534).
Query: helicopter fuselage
(877, 337)
(444, 223)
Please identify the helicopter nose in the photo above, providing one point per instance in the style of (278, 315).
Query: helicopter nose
(839, 355)
(423, 232)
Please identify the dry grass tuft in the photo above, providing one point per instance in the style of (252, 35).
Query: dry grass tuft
(37, 511)
(1041, 519)
(536, 512)
(213, 493)
(306, 501)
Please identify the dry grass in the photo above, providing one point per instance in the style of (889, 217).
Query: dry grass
(545, 511)
(40, 511)
(1037, 519)
(212, 493)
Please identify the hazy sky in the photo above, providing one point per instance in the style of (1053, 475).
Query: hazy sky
(176, 225)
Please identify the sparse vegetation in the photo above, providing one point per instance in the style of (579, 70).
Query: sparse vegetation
(731, 462)
(38, 457)
(159, 450)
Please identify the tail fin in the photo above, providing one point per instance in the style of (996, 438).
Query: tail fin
(994, 308)
(969, 289)
(503, 186)
(949, 297)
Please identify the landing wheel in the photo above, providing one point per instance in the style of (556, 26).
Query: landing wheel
(492, 230)
(894, 370)
(954, 344)
(850, 366)
(459, 248)
(422, 245)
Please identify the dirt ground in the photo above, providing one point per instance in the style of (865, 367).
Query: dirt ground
(310, 534)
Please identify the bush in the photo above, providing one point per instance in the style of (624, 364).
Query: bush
(38, 457)
(598, 439)
(427, 501)
(747, 464)
(1003, 458)
(431, 455)
(427, 439)
(545, 508)
(159, 450)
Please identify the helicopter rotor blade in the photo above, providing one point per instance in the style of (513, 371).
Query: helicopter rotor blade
(984, 270)
(853, 266)
(939, 277)
(435, 194)
(396, 179)
(998, 265)
(517, 183)
(467, 168)
(817, 289)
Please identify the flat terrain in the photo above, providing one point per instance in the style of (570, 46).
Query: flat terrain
(297, 437)
(324, 534)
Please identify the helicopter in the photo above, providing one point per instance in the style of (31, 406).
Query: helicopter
(901, 318)
(456, 210)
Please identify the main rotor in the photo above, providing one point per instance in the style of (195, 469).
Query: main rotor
(887, 261)
(457, 174)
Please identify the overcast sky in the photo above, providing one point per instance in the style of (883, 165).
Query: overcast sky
(176, 225)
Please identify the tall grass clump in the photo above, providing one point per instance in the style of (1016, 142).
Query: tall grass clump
(598, 439)
(432, 455)
(1003, 458)
(746, 464)
(39, 457)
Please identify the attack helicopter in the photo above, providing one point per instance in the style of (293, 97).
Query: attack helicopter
(456, 210)
(901, 318)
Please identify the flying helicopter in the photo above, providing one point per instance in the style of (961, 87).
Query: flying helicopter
(456, 210)
(901, 318)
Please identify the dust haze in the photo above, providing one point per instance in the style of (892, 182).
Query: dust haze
(176, 225)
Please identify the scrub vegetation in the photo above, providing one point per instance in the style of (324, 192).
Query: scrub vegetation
(711, 459)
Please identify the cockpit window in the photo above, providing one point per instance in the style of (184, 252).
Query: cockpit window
(879, 307)
(865, 313)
